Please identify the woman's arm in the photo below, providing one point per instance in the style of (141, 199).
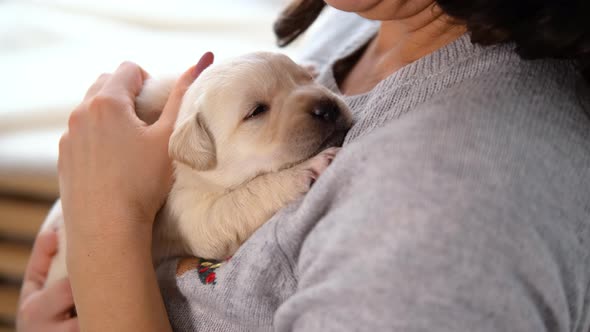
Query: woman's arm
(114, 173)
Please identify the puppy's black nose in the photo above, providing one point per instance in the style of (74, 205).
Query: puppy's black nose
(326, 110)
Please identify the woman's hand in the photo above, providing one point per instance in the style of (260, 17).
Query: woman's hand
(45, 309)
(113, 166)
(114, 174)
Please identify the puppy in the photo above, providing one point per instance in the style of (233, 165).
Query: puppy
(252, 135)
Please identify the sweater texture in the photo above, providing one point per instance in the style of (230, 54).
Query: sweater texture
(459, 202)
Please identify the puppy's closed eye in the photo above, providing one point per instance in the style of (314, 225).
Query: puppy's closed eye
(259, 109)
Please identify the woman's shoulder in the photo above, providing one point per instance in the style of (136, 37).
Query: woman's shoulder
(463, 82)
(530, 103)
(511, 105)
(503, 79)
(523, 124)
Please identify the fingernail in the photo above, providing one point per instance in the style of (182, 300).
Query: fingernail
(205, 61)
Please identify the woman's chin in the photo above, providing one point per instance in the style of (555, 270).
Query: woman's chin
(383, 10)
(355, 6)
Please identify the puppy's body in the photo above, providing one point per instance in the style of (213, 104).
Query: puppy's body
(243, 147)
(223, 218)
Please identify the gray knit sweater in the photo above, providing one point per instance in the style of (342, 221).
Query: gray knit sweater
(460, 202)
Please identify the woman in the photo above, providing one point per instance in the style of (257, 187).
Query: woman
(459, 201)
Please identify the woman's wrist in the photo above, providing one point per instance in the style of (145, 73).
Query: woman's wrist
(108, 219)
(115, 276)
(106, 233)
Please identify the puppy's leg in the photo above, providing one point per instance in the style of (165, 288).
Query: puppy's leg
(315, 166)
(152, 98)
(235, 216)
(312, 70)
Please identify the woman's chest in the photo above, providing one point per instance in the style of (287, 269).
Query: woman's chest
(239, 294)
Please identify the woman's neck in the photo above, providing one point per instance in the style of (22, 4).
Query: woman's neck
(398, 43)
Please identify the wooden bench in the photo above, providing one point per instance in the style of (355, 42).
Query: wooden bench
(22, 210)
(28, 188)
(20, 219)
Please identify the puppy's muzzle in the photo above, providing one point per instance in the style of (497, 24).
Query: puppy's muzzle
(327, 110)
(332, 113)
(335, 118)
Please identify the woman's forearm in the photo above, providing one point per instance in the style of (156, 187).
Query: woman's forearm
(114, 175)
(114, 283)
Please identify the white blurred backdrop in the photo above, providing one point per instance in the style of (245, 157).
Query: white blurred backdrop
(52, 50)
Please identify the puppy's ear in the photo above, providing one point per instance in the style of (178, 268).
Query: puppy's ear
(191, 143)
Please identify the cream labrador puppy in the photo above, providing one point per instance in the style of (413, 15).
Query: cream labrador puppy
(252, 135)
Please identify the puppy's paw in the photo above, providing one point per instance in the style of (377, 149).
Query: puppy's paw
(312, 70)
(315, 166)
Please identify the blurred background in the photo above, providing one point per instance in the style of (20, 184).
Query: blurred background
(50, 53)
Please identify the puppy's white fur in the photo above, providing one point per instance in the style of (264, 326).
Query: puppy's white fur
(233, 171)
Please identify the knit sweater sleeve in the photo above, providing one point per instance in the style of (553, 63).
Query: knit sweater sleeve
(433, 224)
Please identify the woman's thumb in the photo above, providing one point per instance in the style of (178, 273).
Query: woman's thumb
(170, 111)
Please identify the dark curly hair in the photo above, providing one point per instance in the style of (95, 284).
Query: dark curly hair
(539, 28)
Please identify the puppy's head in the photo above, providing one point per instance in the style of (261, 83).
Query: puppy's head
(256, 113)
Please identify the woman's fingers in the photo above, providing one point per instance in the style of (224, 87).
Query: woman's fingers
(48, 309)
(59, 294)
(70, 325)
(48, 304)
(97, 85)
(36, 273)
(172, 107)
(126, 81)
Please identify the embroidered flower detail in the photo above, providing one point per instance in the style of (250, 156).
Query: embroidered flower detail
(206, 271)
(210, 278)
(205, 268)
